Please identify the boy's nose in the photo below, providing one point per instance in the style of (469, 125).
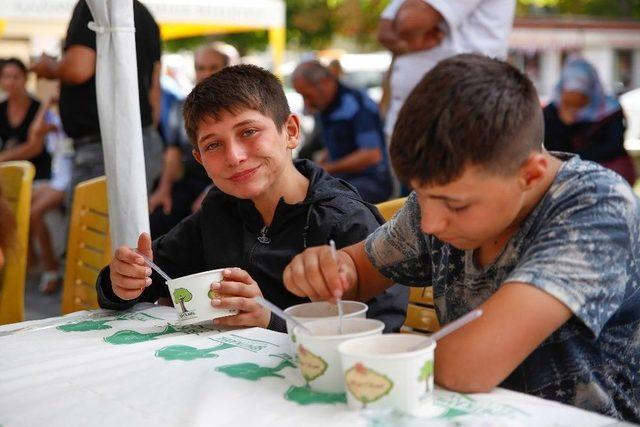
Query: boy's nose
(235, 154)
(433, 222)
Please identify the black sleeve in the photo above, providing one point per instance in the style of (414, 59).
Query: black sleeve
(78, 32)
(609, 143)
(391, 305)
(178, 253)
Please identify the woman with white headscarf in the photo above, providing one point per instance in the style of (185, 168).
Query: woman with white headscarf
(582, 119)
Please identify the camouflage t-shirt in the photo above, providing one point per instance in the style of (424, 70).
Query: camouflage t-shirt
(580, 244)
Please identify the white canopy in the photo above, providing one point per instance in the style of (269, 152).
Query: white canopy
(177, 18)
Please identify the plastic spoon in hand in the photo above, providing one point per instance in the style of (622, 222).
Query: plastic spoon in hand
(334, 254)
(450, 327)
(154, 266)
(278, 312)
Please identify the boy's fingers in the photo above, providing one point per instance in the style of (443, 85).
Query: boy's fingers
(236, 289)
(238, 303)
(314, 274)
(289, 283)
(131, 270)
(243, 319)
(129, 283)
(237, 274)
(126, 293)
(144, 245)
(330, 269)
(299, 280)
(128, 255)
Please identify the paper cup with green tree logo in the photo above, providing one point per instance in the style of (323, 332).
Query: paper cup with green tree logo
(191, 296)
(310, 311)
(383, 371)
(318, 357)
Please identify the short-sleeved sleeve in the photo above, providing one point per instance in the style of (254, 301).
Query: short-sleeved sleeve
(399, 249)
(583, 254)
(454, 13)
(78, 32)
(392, 8)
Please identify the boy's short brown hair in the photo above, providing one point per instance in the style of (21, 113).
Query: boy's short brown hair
(234, 89)
(470, 110)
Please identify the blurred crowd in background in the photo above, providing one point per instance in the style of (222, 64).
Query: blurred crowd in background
(347, 101)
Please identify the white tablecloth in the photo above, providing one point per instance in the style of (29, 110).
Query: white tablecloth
(133, 368)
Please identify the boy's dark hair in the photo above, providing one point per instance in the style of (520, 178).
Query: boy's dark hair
(468, 110)
(14, 61)
(234, 89)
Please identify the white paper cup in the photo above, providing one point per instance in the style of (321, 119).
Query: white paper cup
(192, 294)
(380, 371)
(318, 357)
(310, 311)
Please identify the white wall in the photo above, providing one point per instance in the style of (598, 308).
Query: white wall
(602, 59)
(550, 68)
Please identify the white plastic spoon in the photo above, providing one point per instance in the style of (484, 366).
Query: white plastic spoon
(153, 265)
(450, 327)
(334, 254)
(278, 312)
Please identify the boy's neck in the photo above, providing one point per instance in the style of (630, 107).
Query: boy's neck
(489, 251)
(291, 185)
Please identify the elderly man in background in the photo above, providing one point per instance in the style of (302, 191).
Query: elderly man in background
(351, 129)
(184, 181)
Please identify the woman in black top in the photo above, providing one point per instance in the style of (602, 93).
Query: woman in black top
(582, 119)
(16, 115)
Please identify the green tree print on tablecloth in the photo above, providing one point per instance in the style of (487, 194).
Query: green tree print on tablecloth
(254, 372)
(132, 337)
(188, 353)
(85, 326)
(96, 325)
(306, 396)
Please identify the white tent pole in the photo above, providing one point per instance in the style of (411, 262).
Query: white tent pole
(119, 114)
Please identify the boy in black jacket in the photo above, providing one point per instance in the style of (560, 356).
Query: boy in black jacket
(264, 208)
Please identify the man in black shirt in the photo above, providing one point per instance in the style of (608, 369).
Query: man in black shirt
(78, 104)
(183, 179)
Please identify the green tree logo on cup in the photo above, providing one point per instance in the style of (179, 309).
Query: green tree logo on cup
(426, 371)
(367, 385)
(180, 296)
(311, 365)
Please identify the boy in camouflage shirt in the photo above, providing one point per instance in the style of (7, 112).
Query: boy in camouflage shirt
(546, 244)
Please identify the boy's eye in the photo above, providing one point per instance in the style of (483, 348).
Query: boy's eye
(457, 209)
(211, 146)
(249, 132)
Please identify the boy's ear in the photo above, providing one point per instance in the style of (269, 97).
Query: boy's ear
(292, 130)
(196, 155)
(533, 170)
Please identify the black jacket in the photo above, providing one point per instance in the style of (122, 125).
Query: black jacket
(228, 232)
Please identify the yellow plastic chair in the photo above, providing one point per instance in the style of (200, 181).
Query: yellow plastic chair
(88, 247)
(388, 209)
(16, 178)
(421, 315)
